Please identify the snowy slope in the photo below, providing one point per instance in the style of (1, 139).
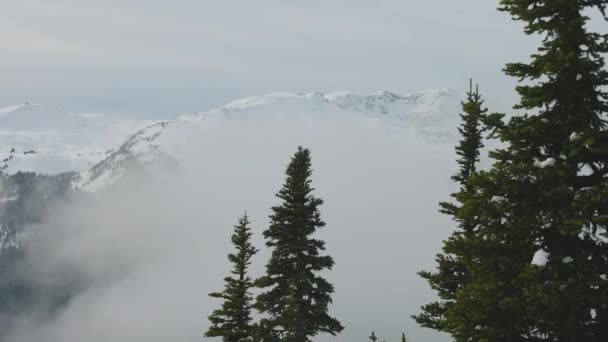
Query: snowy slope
(429, 117)
(47, 139)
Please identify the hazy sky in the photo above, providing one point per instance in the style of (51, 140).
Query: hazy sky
(163, 58)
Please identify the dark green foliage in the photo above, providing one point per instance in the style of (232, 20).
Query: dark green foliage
(403, 339)
(451, 274)
(233, 320)
(297, 298)
(547, 189)
(472, 140)
(559, 158)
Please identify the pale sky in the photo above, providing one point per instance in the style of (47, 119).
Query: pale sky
(162, 58)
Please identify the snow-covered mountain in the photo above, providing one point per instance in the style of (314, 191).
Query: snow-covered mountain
(47, 139)
(429, 116)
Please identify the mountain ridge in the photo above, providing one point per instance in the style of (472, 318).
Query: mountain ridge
(429, 115)
(47, 139)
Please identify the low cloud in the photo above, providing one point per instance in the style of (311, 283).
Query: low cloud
(146, 253)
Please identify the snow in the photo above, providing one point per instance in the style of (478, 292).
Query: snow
(428, 117)
(574, 136)
(584, 170)
(593, 313)
(497, 199)
(386, 96)
(96, 184)
(255, 101)
(62, 141)
(540, 259)
(567, 260)
(428, 112)
(337, 96)
(545, 163)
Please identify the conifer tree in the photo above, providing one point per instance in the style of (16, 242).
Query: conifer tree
(561, 149)
(403, 339)
(545, 194)
(373, 337)
(471, 143)
(297, 298)
(451, 274)
(232, 321)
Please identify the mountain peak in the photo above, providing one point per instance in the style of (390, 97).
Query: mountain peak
(428, 116)
(379, 101)
(385, 96)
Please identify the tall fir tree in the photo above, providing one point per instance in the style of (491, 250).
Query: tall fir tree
(538, 256)
(232, 321)
(451, 274)
(563, 150)
(297, 300)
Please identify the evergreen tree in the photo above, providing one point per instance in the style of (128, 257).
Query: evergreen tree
(403, 339)
(472, 140)
(451, 274)
(297, 298)
(233, 320)
(562, 150)
(373, 337)
(545, 194)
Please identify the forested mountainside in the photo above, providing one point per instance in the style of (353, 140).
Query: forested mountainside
(26, 198)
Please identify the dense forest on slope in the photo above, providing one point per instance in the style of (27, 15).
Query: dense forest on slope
(26, 198)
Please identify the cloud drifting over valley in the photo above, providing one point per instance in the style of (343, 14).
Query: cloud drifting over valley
(150, 250)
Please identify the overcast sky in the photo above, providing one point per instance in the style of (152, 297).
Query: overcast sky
(163, 58)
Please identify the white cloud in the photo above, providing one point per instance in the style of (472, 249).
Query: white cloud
(152, 251)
